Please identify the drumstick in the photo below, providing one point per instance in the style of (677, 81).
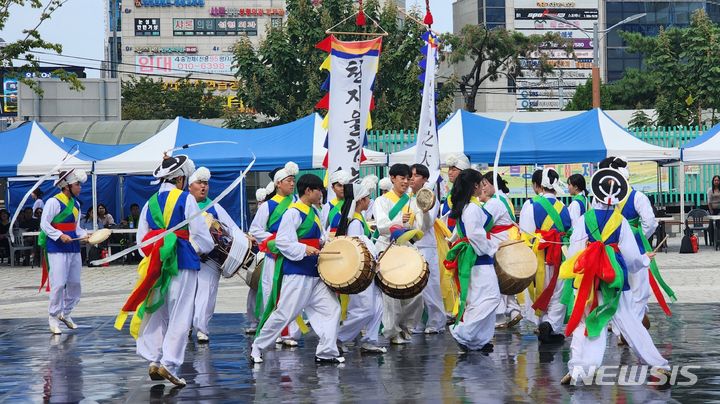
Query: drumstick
(330, 252)
(660, 244)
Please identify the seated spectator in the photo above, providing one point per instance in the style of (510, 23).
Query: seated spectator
(38, 204)
(27, 221)
(104, 218)
(134, 218)
(4, 234)
(86, 222)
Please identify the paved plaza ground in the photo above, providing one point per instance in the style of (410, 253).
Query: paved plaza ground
(96, 363)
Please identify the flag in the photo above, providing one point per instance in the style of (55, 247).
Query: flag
(428, 147)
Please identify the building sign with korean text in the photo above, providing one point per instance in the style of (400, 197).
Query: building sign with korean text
(245, 12)
(215, 26)
(147, 27)
(209, 64)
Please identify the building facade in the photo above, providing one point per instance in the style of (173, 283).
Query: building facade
(177, 38)
(526, 16)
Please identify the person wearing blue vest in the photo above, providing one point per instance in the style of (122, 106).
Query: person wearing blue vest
(251, 302)
(601, 255)
(637, 209)
(365, 309)
(546, 220)
(330, 213)
(209, 275)
(580, 201)
(472, 257)
(264, 228)
(60, 226)
(297, 286)
(162, 336)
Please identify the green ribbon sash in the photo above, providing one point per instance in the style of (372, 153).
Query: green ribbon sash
(465, 256)
(654, 270)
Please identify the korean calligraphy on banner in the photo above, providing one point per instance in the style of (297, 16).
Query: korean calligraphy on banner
(428, 148)
(353, 67)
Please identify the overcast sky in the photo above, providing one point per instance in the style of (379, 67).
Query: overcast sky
(79, 26)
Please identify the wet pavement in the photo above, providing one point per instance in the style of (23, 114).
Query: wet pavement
(96, 363)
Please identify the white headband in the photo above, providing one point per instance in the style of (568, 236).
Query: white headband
(290, 169)
(201, 174)
(362, 190)
(385, 184)
(546, 182)
(72, 177)
(341, 177)
(459, 161)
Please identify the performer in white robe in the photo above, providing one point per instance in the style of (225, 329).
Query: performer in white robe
(365, 309)
(427, 245)
(392, 209)
(299, 240)
(638, 211)
(163, 333)
(497, 204)
(480, 297)
(600, 227)
(209, 275)
(330, 213)
(264, 228)
(60, 233)
(455, 163)
(250, 304)
(547, 218)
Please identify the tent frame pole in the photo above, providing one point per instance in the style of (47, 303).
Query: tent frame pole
(681, 179)
(94, 197)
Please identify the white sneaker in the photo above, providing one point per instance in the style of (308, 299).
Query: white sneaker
(54, 323)
(398, 340)
(289, 342)
(417, 330)
(68, 321)
(171, 377)
(251, 330)
(372, 348)
(433, 330)
(202, 337)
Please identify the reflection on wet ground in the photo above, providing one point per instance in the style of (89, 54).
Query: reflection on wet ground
(98, 363)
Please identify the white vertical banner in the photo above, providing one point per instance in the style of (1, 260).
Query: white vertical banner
(428, 147)
(353, 67)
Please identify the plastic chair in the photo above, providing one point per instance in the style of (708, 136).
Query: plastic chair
(18, 245)
(695, 222)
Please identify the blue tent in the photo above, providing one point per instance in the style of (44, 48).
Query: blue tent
(587, 137)
(96, 151)
(300, 141)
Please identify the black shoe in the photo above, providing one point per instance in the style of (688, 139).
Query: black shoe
(463, 348)
(487, 348)
(335, 360)
(547, 336)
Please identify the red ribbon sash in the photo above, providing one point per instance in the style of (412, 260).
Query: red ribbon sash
(553, 256)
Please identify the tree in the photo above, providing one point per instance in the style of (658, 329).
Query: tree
(280, 78)
(22, 50)
(495, 53)
(146, 98)
(640, 120)
(635, 89)
(685, 63)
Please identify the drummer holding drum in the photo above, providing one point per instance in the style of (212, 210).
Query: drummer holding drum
(209, 275)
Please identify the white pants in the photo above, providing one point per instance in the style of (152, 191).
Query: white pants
(400, 314)
(267, 282)
(208, 280)
(555, 314)
(478, 323)
(252, 320)
(432, 295)
(587, 353)
(308, 293)
(64, 282)
(164, 334)
(364, 311)
(508, 304)
(640, 286)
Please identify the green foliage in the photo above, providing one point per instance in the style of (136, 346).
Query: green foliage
(684, 65)
(493, 54)
(281, 79)
(146, 98)
(635, 90)
(22, 50)
(640, 120)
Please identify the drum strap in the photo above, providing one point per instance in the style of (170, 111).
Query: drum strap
(596, 266)
(57, 222)
(505, 202)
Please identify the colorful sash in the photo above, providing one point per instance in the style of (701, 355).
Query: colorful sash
(337, 207)
(306, 226)
(57, 222)
(156, 270)
(595, 266)
(283, 203)
(399, 204)
(361, 218)
(548, 250)
(509, 208)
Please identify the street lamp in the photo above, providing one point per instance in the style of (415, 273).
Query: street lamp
(596, 48)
